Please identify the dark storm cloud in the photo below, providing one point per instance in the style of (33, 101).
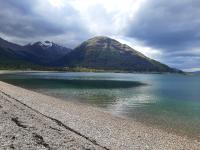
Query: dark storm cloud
(23, 19)
(168, 24)
(173, 28)
(23, 6)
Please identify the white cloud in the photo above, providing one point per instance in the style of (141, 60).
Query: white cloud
(57, 3)
(107, 17)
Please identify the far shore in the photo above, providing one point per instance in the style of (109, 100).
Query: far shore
(88, 71)
(97, 128)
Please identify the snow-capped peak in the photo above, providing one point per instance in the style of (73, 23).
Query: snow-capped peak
(46, 44)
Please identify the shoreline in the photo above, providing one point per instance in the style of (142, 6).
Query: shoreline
(86, 71)
(111, 132)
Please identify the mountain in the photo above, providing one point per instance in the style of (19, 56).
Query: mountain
(108, 54)
(44, 53)
(11, 56)
(10, 59)
(100, 53)
(8, 45)
(29, 56)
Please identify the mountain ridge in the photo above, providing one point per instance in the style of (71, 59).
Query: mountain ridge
(108, 54)
(101, 52)
(35, 53)
(44, 53)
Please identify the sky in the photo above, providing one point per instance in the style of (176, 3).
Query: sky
(166, 31)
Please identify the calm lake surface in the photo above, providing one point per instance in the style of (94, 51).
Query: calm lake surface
(168, 101)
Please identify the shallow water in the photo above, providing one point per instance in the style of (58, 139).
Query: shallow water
(171, 102)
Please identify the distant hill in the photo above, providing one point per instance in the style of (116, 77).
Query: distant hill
(34, 55)
(11, 56)
(9, 45)
(98, 53)
(44, 53)
(108, 54)
(10, 59)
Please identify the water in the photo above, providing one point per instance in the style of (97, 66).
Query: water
(170, 102)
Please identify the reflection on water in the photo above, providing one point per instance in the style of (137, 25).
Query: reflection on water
(171, 102)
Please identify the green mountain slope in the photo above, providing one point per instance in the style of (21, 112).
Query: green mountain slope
(108, 54)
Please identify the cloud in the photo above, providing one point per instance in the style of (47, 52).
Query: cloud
(163, 30)
(66, 22)
(166, 25)
(172, 27)
(36, 19)
(183, 59)
(107, 17)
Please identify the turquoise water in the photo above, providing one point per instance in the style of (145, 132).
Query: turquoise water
(168, 101)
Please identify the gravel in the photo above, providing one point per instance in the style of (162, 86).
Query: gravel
(22, 128)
